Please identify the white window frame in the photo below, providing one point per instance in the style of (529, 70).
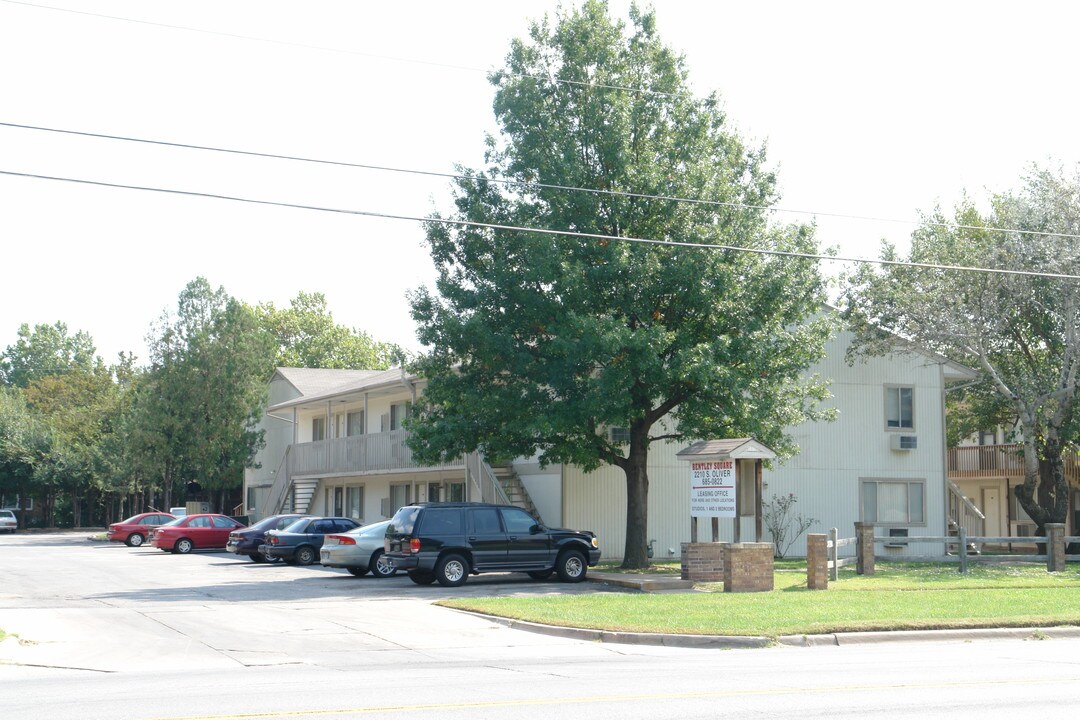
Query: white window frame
(899, 427)
(318, 422)
(877, 483)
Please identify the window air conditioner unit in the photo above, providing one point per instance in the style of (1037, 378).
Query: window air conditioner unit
(903, 442)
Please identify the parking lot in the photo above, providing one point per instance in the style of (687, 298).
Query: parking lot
(91, 605)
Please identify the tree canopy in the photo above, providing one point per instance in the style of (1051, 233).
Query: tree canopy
(540, 343)
(198, 404)
(1021, 332)
(46, 350)
(307, 336)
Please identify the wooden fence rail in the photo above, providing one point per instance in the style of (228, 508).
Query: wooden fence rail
(1055, 558)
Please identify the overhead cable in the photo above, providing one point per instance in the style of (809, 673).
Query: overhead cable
(546, 231)
(528, 184)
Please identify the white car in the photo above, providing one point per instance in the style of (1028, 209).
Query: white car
(8, 523)
(359, 551)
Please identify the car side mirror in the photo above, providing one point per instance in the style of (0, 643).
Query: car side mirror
(535, 529)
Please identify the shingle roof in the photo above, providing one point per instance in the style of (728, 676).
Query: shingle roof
(320, 384)
(727, 448)
(316, 381)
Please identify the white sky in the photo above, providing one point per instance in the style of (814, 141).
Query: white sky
(871, 109)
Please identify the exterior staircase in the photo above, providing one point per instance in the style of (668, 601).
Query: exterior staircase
(303, 492)
(515, 489)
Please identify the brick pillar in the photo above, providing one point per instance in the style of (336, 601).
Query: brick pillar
(702, 562)
(817, 561)
(864, 548)
(1055, 547)
(748, 567)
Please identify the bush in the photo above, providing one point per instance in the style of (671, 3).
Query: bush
(785, 529)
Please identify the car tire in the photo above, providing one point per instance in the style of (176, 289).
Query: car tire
(183, 546)
(357, 571)
(257, 557)
(135, 540)
(422, 577)
(571, 566)
(540, 574)
(305, 555)
(452, 570)
(381, 566)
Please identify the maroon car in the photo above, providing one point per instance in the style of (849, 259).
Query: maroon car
(136, 528)
(185, 534)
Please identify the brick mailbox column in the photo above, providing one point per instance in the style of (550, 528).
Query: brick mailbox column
(748, 567)
(864, 548)
(702, 562)
(1055, 547)
(817, 561)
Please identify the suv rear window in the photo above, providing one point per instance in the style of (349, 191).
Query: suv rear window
(403, 522)
(443, 521)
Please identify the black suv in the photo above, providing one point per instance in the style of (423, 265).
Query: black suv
(448, 541)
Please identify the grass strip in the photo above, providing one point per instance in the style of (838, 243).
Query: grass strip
(898, 597)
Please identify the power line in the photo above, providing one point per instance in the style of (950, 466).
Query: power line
(525, 184)
(544, 231)
(325, 48)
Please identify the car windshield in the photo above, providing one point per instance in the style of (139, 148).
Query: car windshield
(378, 528)
(7, 514)
(130, 520)
(176, 521)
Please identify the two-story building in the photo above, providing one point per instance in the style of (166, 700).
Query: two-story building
(335, 445)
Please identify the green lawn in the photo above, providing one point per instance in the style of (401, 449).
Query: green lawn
(901, 596)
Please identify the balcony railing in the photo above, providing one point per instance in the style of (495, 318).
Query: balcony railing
(369, 453)
(986, 461)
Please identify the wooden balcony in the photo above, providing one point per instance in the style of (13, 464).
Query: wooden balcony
(358, 454)
(998, 461)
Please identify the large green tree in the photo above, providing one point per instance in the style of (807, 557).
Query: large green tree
(307, 336)
(1021, 332)
(540, 343)
(46, 350)
(197, 406)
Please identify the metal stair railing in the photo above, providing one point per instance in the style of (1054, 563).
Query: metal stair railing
(275, 499)
(483, 480)
(963, 513)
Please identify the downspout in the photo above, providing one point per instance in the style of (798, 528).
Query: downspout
(944, 454)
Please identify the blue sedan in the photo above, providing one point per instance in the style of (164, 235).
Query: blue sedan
(299, 543)
(247, 541)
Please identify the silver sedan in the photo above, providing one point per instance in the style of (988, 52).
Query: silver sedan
(359, 551)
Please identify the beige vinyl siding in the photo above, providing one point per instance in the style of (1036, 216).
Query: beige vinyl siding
(825, 475)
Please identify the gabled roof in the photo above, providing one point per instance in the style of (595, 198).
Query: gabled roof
(728, 448)
(315, 384)
(315, 381)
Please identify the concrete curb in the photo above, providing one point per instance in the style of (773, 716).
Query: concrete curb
(965, 634)
(716, 642)
(730, 642)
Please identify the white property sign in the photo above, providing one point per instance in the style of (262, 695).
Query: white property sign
(712, 489)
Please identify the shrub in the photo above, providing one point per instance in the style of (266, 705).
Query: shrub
(784, 527)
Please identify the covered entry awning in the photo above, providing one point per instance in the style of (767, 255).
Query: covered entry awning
(727, 449)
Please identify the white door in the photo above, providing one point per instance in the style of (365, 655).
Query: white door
(991, 507)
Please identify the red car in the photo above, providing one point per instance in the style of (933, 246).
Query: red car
(185, 534)
(136, 528)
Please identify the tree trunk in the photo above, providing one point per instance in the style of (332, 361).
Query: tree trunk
(636, 552)
(1045, 492)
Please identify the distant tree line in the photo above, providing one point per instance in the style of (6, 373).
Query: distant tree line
(91, 442)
